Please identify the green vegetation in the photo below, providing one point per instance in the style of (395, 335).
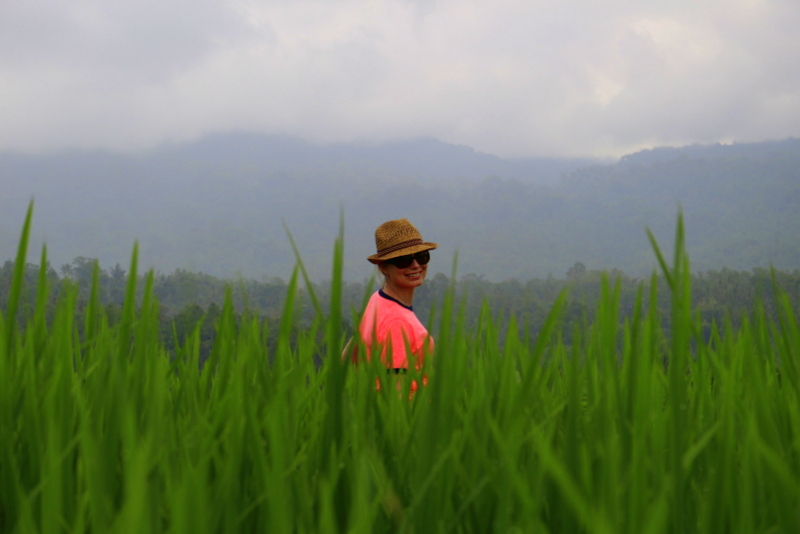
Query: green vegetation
(186, 298)
(636, 424)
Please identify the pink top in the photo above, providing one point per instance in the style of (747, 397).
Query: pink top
(393, 326)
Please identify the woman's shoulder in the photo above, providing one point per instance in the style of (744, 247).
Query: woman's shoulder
(401, 317)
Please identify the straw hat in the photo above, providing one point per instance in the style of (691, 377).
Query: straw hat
(398, 238)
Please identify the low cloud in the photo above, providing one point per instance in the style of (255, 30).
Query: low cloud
(514, 78)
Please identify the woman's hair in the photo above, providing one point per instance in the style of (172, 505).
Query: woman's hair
(381, 274)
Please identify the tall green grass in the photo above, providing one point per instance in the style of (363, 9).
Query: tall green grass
(629, 428)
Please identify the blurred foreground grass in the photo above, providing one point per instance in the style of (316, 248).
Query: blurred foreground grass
(630, 428)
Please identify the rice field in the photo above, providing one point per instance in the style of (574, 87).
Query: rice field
(639, 425)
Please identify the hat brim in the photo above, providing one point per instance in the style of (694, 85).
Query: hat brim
(378, 258)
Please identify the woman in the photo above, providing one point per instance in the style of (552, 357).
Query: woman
(389, 324)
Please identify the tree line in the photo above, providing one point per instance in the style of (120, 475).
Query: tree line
(191, 302)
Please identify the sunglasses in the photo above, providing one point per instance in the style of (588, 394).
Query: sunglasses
(403, 262)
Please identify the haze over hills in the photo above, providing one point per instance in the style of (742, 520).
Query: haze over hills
(219, 205)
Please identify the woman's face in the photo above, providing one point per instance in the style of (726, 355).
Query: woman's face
(408, 278)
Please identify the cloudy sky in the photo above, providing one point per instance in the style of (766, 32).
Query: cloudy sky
(508, 77)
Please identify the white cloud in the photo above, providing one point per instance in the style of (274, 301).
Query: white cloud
(511, 77)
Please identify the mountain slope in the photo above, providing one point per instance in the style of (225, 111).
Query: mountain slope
(221, 205)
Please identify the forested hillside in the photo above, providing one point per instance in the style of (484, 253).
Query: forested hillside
(222, 206)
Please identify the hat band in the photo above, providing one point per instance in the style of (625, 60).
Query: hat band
(400, 246)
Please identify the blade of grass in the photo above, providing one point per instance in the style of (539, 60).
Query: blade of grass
(17, 280)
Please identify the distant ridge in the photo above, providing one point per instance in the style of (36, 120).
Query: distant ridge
(712, 151)
(221, 205)
(424, 158)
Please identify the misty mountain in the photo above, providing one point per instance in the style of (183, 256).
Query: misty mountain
(423, 159)
(223, 205)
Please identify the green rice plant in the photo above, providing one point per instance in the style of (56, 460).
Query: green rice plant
(636, 425)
